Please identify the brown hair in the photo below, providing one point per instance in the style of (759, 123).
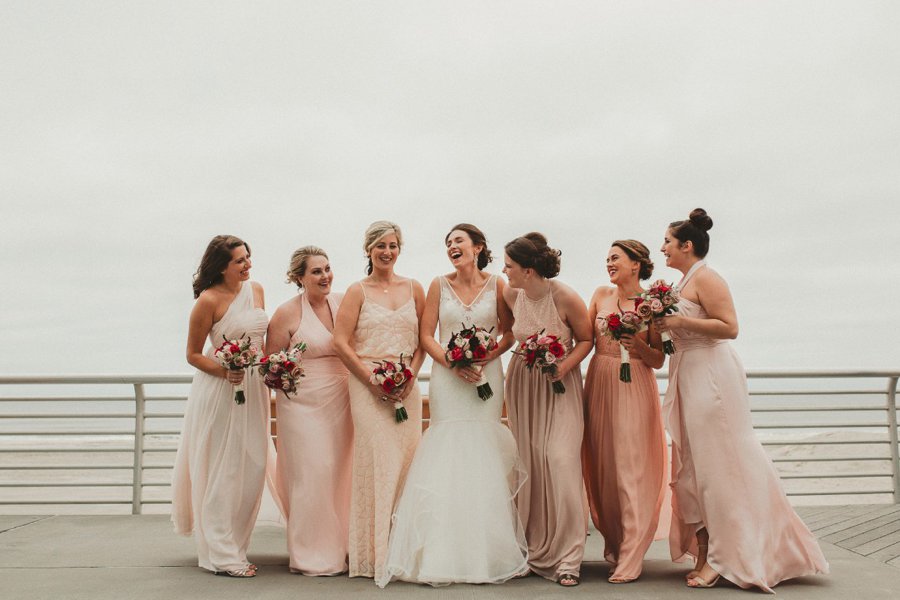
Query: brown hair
(375, 232)
(639, 253)
(477, 237)
(532, 252)
(694, 230)
(215, 260)
(299, 258)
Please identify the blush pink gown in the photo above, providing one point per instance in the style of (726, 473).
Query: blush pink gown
(624, 457)
(220, 467)
(721, 476)
(548, 429)
(315, 448)
(383, 449)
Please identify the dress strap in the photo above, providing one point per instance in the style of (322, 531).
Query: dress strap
(363, 288)
(691, 272)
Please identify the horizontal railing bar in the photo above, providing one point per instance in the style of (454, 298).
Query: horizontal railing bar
(128, 449)
(69, 416)
(68, 399)
(35, 484)
(816, 393)
(834, 476)
(843, 493)
(64, 502)
(80, 378)
(84, 433)
(826, 443)
(64, 467)
(822, 426)
(820, 409)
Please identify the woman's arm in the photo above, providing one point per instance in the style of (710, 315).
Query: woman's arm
(279, 333)
(575, 315)
(199, 326)
(428, 324)
(505, 320)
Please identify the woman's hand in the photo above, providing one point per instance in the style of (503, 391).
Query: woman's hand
(408, 387)
(667, 323)
(468, 374)
(562, 369)
(382, 395)
(234, 377)
(634, 344)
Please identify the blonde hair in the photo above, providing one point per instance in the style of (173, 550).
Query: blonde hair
(299, 258)
(374, 233)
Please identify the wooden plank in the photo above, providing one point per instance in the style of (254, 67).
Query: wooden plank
(873, 514)
(889, 552)
(857, 541)
(813, 514)
(860, 528)
(894, 562)
(838, 514)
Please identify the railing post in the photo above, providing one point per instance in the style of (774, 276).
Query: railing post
(137, 479)
(892, 436)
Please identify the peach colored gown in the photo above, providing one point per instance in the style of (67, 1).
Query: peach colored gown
(220, 466)
(624, 457)
(315, 448)
(383, 449)
(548, 429)
(721, 476)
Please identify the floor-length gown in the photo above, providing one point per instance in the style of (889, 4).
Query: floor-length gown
(624, 457)
(456, 521)
(315, 448)
(221, 461)
(722, 478)
(548, 429)
(383, 449)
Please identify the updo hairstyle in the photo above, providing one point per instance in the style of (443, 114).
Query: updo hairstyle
(694, 230)
(299, 258)
(532, 252)
(478, 239)
(374, 233)
(215, 260)
(639, 253)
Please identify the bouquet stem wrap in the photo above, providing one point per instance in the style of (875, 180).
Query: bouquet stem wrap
(668, 344)
(400, 413)
(558, 386)
(239, 397)
(625, 365)
(482, 386)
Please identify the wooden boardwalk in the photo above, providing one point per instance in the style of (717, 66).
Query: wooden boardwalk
(869, 530)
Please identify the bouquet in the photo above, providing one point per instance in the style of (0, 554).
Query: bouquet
(660, 300)
(282, 370)
(614, 325)
(543, 352)
(390, 376)
(469, 345)
(235, 355)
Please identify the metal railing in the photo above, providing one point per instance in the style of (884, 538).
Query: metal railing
(106, 443)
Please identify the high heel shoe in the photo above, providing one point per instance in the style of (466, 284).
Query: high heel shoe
(702, 550)
(699, 582)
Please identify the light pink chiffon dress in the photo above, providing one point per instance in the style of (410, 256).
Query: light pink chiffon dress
(624, 457)
(721, 476)
(548, 429)
(315, 449)
(383, 449)
(220, 466)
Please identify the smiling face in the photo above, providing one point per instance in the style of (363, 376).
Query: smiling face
(460, 249)
(621, 269)
(238, 268)
(318, 276)
(515, 273)
(676, 252)
(384, 252)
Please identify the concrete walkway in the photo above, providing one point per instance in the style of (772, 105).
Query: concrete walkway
(138, 557)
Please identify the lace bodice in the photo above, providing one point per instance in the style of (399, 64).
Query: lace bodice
(242, 318)
(454, 314)
(384, 333)
(534, 315)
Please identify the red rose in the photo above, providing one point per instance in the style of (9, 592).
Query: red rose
(637, 302)
(557, 349)
(387, 385)
(530, 357)
(456, 354)
(614, 321)
(408, 374)
(288, 365)
(264, 360)
(479, 352)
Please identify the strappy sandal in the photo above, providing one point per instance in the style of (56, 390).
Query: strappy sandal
(240, 573)
(702, 550)
(699, 582)
(621, 579)
(572, 579)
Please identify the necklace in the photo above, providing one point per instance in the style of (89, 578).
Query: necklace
(379, 284)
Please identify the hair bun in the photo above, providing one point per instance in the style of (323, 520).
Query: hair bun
(700, 219)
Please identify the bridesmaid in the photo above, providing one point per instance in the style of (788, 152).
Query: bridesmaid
(548, 427)
(221, 461)
(729, 509)
(315, 433)
(624, 452)
(379, 320)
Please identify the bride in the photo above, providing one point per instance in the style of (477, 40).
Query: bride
(456, 520)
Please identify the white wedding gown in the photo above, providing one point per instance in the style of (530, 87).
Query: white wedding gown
(456, 520)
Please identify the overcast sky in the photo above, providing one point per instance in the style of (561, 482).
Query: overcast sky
(131, 132)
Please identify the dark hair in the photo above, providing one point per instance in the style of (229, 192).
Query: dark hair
(532, 252)
(694, 230)
(215, 260)
(478, 239)
(639, 253)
